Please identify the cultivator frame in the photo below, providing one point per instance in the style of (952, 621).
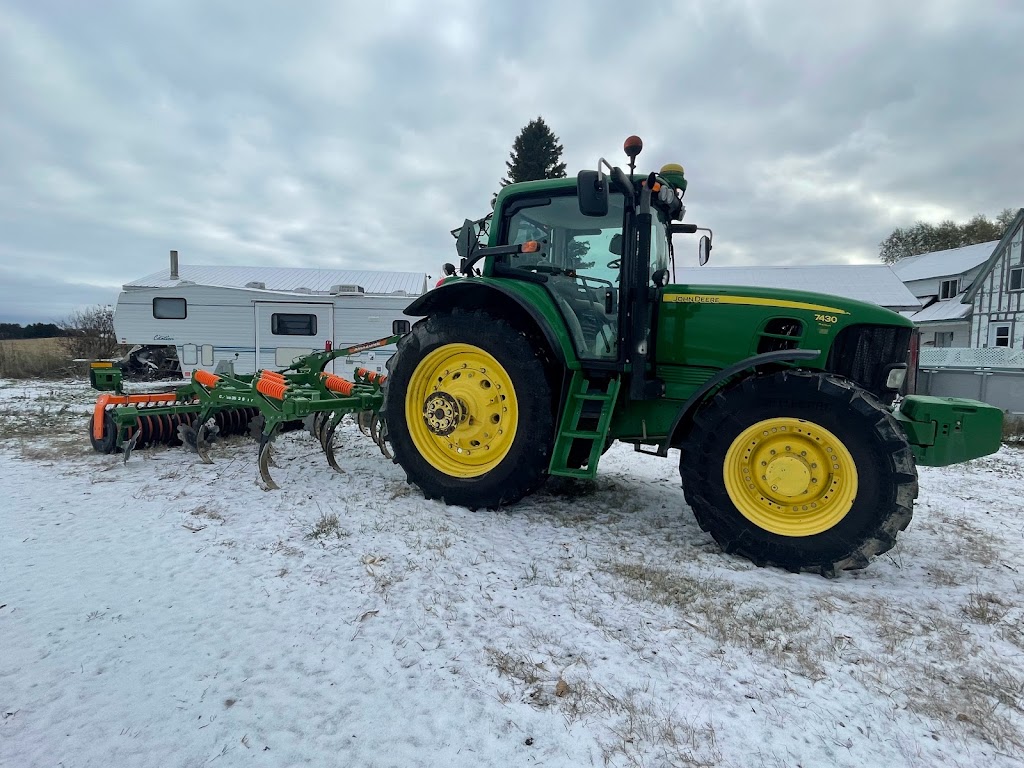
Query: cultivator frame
(261, 404)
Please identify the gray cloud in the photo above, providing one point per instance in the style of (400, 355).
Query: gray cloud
(358, 134)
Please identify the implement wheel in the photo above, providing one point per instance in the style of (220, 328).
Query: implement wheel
(108, 443)
(469, 410)
(801, 470)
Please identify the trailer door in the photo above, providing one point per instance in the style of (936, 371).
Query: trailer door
(286, 330)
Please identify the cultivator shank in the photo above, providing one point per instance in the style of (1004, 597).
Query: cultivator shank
(261, 405)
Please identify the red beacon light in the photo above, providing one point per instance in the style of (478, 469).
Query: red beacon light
(632, 146)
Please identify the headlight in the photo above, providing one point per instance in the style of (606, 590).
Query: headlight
(896, 377)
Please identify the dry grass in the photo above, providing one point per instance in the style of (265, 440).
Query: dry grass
(327, 526)
(42, 419)
(207, 512)
(640, 733)
(645, 736)
(750, 618)
(1013, 430)
(54, 450)
(37, 358)
(975, 699)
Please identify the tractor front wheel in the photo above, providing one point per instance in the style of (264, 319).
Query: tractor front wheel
(800, 470)
(469, 410)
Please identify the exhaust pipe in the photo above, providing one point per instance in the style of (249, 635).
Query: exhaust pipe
(174, 265)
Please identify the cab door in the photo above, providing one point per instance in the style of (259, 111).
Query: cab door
(581, 258)
(287, 330)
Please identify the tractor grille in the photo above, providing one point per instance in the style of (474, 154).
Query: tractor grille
(863, 353)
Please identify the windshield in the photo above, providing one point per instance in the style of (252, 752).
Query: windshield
(659, 243)
(570, 240)
(584, 244)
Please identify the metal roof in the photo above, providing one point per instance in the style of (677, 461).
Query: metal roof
(949, 263)
(951, 309)
(874, 283)
(287, 279)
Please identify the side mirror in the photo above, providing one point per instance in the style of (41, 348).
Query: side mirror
(592, 193)
(448, 269)
(467, 241)
(704, 250)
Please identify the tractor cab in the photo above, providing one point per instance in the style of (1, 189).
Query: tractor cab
(598, 246)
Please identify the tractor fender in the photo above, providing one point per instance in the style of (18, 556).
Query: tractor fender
(525, 305)
(689, 407)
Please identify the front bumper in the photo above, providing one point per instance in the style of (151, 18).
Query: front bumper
(949, 430)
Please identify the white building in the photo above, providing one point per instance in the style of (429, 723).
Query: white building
(940, 281)
(973, 296)
(997, 295)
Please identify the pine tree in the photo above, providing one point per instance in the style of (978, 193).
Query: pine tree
(536, 154)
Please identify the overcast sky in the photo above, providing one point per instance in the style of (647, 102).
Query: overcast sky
(358, 134)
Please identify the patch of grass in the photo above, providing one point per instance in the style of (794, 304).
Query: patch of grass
(645, 735)
(54, 451)
(640, 733)
(40, 420)
(985, 608)
(283, 548)
(744, 618)
(969, 542)
(326, 527)
(37, 359)
(516, 666)
(984, 703)
(207, 512)
(895, 628)
(1013, 430)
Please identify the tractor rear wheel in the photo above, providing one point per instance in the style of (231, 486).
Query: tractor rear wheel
(469, 410)
(800, 470)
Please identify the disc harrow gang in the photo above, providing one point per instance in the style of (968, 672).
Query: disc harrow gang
(261, 405)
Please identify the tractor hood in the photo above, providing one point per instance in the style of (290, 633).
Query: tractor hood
(836, 310)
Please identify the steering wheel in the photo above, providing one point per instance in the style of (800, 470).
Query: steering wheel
(614, 264)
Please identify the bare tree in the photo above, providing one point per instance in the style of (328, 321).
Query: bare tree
(90, 334)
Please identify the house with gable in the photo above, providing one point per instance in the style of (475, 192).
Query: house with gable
(940, 281)
(996, 296)
(972, 296)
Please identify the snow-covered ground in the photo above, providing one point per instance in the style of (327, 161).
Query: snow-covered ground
(170, 613)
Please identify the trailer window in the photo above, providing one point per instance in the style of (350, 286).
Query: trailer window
(170, 309)
(282, 324)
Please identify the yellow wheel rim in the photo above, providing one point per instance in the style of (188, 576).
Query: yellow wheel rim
(462, 410)
(790, 477)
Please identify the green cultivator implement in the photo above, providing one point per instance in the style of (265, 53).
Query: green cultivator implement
(261, 405)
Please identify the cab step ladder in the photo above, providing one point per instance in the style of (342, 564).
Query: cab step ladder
(570, 429)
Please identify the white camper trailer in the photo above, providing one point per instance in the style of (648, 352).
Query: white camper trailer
(260, 317)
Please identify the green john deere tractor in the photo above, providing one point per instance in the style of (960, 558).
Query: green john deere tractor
(564, 333)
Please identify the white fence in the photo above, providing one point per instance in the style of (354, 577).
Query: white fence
(956, 357)
(994, 375)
